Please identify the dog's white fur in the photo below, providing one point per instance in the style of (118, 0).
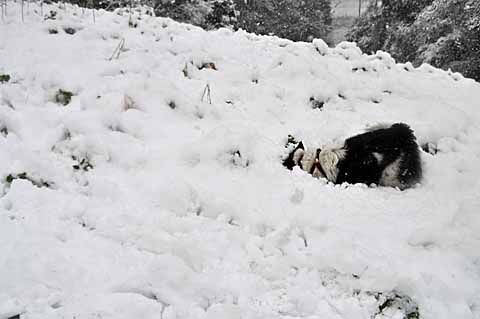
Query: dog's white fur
(378, 156)
(390, 174)
(329, 159)
(298, 155)
(308, 159)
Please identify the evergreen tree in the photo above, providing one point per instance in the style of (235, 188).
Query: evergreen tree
(298, 20)
(387, 26)
(208, 14)
(448, 36)
(222, 14)
(443, 33)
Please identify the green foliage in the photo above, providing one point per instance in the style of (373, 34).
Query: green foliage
(443, 33)
(4, 78)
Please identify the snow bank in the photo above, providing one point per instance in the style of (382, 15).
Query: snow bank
(158, 190)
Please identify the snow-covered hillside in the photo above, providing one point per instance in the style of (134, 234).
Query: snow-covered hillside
(158, 190)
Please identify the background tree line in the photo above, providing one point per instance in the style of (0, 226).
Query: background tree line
(443, 33)
(298, 20)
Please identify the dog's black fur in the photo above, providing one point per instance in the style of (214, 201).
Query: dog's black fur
(290, 162)
(386, 156)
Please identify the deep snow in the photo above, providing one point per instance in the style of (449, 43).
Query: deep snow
(187, 211)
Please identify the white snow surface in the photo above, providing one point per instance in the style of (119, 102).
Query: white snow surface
(187, 211)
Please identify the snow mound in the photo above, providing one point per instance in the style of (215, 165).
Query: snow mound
(141, 176)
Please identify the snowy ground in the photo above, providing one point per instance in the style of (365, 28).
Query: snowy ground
(140, 200)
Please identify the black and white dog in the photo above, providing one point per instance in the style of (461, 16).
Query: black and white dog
(387, 156)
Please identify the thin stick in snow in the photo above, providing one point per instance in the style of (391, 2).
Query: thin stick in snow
(118, 49)
(207, 92)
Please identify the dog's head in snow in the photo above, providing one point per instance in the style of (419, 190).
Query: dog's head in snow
(386, 156)
(317, 162)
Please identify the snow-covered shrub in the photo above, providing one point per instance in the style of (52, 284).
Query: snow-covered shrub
(82, 163)
(395, 305)
(316, 103)
(52, 15)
